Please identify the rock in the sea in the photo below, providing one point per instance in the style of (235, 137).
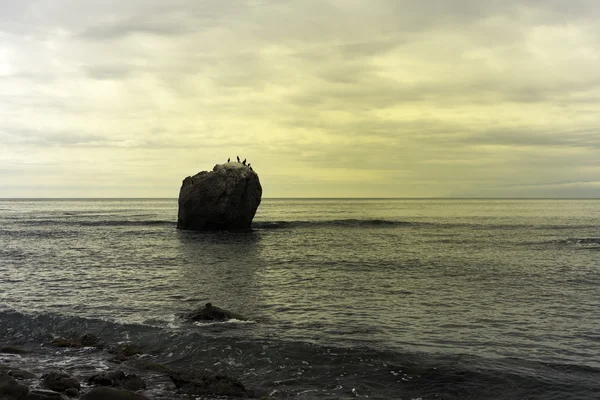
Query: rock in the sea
(224, 199)
(10, 389)
(208, 312)
(59, 381)
(201, 383)
(105, 393)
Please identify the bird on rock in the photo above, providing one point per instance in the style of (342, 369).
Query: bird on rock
(228, 159)
(238, 157)
(244, 162)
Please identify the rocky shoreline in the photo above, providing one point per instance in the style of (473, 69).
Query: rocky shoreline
(124, 372)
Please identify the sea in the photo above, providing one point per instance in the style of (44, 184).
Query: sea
(343, 298)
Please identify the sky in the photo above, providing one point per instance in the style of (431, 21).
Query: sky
(326, 98)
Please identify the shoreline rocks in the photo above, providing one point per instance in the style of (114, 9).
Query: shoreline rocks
(114, 384)
(225, 198)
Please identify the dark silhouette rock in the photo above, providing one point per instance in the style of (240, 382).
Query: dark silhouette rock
(10, 389)
(105, 393)
(41, 394)
(59, 381)
(209, 312)
(200, 383)
(224, 199)
(118, 379)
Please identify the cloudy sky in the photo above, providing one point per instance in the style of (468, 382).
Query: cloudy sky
(326, 98)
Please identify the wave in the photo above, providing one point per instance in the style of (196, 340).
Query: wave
(583, 243)
(57, 222)
(289, 368)
(346, 223)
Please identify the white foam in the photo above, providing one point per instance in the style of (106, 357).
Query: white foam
(230, 321)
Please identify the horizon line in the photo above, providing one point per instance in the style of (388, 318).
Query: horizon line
(312, 198)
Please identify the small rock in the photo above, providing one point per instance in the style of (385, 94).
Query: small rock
(72, 392)
(211, 313)
(104, 393)
(10, 389)
(41, 394)
(89, 340)
(59, 381)
(118, 379)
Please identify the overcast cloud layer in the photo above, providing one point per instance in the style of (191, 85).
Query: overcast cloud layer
(326, 98)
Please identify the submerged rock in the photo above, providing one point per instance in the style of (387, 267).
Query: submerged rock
(208, 312)
(225, 198)
(10, 389)
(60, 382)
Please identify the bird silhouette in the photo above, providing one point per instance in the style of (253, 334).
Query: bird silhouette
(238, 157)
(228, 159)
(244, 162)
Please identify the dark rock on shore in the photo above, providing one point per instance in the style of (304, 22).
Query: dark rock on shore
(105, 393)
(118, 379)
(224, 199)
(10, 389)
(61, 382)
(208, 312)
(201, 383)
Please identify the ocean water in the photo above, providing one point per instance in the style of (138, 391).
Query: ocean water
(346, 298)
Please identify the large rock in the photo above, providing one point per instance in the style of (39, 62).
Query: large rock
(225, 198)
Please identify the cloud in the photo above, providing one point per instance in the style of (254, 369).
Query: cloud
(433, 97)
